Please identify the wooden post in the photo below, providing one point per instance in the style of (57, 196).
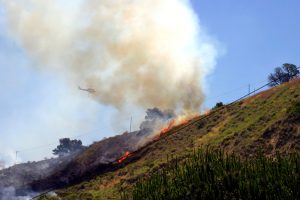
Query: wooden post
(130, 124)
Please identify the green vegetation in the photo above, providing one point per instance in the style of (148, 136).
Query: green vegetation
(295, 108)
(213, 175)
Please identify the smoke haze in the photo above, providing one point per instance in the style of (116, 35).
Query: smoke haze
(150, 53)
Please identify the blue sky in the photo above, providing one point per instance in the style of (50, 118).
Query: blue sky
(256, 36)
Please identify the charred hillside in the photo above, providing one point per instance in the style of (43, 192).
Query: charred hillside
(105, 155)
(98, 158)
(267, 122)
(21, 175)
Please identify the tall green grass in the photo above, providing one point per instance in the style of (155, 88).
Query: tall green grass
(208, 174)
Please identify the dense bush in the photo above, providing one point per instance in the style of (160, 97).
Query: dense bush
(283, 74)
(67, 146)
(214, 175)
(218, 105)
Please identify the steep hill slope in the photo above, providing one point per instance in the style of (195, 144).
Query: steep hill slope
(267, 122)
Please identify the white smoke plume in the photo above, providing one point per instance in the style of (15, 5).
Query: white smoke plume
(147, 53)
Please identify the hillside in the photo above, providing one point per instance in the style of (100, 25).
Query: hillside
(268, 122)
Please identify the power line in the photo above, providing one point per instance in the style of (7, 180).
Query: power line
(242, 87)
(54, 143)
(78, 136)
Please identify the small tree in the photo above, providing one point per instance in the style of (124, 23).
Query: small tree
(218, 105)
(291, 70)
(283, 74)
(67, 146)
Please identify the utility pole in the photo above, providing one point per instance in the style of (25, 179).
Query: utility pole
(249, 89)
(16, 161)
(130, 124)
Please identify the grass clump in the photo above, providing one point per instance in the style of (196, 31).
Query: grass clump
(295, 108)
(213, 175)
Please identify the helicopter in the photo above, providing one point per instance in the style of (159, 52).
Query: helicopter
(90, 90)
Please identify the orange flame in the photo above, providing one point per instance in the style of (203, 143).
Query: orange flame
(124, 157)
(168, 127)
(173, 123)
(184, 121)
(207, 112)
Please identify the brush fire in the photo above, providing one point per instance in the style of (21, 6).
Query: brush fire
(124, 157)
(155, 116)
(174, 123)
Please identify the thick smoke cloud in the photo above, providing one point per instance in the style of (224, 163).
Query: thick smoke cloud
(146, 53)
(155, 119)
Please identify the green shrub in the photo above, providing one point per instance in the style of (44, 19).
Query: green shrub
(214, 175)
(295, 108)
